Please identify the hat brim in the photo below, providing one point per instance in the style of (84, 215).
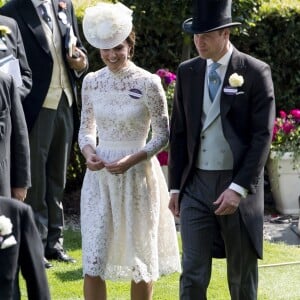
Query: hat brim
(187, 26)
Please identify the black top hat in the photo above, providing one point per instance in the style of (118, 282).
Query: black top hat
(209, 15)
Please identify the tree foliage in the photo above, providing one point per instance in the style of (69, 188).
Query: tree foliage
(161, 43)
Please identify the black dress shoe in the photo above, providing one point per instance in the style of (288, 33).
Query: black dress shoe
(61, 256)
(47, 264)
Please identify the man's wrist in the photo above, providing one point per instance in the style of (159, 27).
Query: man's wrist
(174, 191)
(239, 189)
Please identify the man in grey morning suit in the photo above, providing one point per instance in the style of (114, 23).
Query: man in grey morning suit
(218, 147)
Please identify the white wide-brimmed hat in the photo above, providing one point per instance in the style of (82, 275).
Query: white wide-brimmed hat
(107, 25)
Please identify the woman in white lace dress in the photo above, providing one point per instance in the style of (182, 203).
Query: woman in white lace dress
(128, 233)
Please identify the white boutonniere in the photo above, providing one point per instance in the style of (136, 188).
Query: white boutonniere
(6, 237)
(4, 30)
(235, 81)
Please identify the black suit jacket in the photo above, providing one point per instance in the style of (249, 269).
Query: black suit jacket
(37, 50)
(27, 253)
(14, 143)
(247, 120)
(15, 47)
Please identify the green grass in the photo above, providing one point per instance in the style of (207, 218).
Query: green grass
(275, 282)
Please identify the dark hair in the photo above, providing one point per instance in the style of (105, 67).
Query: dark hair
(131, 42)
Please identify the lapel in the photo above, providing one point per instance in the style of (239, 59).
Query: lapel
(223, 102)
(236, 65)
(62, 16)
(7, 45)
(31, 18)
(196, 87)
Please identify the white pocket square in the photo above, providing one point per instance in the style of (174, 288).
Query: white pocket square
(8, 242)
(232, 91)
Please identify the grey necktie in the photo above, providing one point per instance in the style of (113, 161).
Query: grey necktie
(214, 80)
(44, 8)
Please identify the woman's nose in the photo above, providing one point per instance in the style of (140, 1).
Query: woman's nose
(111, 53)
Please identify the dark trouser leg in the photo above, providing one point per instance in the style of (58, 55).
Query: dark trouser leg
(242, 271)
(16, 292)
(199, 228)
(50, 142)
(57, 164)
(40, 139)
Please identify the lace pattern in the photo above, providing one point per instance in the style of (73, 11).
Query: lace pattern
(128, 233)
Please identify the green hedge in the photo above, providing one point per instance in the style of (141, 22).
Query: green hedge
(276, 40)
(270, 31)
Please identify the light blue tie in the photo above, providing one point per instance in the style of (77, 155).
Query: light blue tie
(214, 80)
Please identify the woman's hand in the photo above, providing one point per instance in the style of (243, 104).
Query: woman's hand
(122, 165)
(119, 166)
(94, 163)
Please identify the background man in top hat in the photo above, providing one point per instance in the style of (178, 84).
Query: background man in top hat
(218, 147)
(49, 107)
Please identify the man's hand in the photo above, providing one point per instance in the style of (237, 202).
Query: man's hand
(79, 62)
(227, 203)
(19, 193)
(174, 204)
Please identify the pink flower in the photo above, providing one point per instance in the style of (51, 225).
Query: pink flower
(287, 127)
(296, 114)
(166, 76)
(282, 114)
(161, 72)
(62, 5)
(275, 131)
(286, 132)
(163, 158)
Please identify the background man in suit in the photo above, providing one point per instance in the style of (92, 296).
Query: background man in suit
(14, 144)
(21, 247)
(218, 147)
(45, 27)
(12, 43)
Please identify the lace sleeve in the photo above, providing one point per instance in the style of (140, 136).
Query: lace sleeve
(157, 106)
(87, 131)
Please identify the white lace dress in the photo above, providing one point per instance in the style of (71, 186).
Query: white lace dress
(128, 232)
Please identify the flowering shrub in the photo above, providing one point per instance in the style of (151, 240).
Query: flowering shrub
(168, 80)
(286, 134)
